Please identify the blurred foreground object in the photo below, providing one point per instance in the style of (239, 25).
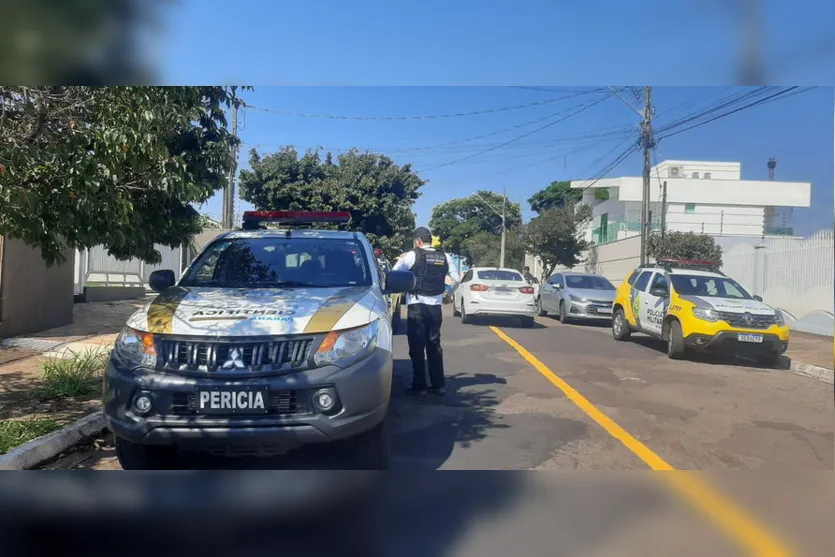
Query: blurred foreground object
(90, 42)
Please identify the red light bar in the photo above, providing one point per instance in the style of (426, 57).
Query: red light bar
(688, 261)
(298, 217)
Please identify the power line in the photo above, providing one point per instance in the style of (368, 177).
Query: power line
(729, 102)
(548, 125)
(427, 117)
(750, 105)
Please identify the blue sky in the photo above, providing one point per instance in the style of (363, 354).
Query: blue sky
(499, 43)
(797, 131)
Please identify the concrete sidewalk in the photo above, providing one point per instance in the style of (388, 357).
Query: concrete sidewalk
(811, 349)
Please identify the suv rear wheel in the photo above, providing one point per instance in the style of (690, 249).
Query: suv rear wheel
(620, 327)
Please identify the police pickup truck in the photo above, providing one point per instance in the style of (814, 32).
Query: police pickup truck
(271, 339)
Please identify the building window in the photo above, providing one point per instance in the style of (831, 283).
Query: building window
(706, 176)
(689, 208)
(695, 175)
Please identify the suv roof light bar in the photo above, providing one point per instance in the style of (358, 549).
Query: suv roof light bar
(252, 219)
(668, 264)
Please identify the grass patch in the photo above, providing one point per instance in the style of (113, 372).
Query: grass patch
(18, 432)
(79, 374)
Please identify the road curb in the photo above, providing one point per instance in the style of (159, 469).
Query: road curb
(33, 453)
(815, 372)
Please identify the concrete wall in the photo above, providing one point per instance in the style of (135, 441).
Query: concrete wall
(614, 260)
(33, 297)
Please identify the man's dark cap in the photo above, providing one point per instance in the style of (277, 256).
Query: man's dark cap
(424, 234)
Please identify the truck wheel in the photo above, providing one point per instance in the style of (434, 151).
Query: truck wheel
(136, 456)
(620, 326)
(371, 450)
(675, 342)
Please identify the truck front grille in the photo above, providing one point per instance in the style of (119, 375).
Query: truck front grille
(233, 355)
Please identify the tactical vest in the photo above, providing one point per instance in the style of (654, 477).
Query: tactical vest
(430, 269)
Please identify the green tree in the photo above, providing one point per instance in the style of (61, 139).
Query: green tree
(684, 245)
(484, 249)
(378, 193)
(459, 220)
(112, 166)
(555, 236)
(557, 194)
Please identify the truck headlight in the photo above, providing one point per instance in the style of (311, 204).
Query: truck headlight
(343, 348)
(136, 347)
(705, 314)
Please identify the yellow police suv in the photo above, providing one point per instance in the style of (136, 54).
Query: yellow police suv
(271, 339)
(694, 307)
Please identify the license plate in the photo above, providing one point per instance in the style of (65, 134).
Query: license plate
(503, 292)
(743, 337)
(253, 400)
(606, 310)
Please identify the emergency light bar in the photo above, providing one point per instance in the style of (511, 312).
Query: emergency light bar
(297, 217)
(690, 262)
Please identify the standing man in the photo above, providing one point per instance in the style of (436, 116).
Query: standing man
(424, 308)
(528, 276)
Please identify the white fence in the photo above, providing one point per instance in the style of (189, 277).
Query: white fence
(798, 276)
(97, 267)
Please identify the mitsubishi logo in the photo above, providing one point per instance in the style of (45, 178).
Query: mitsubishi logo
(747, 318)
(234, 360)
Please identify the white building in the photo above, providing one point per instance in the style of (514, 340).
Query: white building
(703, 197)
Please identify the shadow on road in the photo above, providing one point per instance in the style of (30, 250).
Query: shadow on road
(504, 322)
(658, 345)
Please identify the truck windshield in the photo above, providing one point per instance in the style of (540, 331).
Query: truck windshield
(708, 286)
(280, 262)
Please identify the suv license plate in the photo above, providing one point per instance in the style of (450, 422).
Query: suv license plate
(253, 400)
(743, 337)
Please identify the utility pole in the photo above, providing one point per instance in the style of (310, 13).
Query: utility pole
(501, 214)
(648, 145)
(229, 192)
(664, 209)
(504, 227)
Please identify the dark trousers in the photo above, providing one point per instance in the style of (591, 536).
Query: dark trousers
(423, 328)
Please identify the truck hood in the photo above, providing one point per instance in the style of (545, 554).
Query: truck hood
(731, 305)
(257, 311)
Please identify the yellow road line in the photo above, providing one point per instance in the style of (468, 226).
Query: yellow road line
(733, 520)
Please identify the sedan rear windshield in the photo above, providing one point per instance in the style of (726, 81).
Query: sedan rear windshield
(280, 262)
(588, 282)
(500, 275)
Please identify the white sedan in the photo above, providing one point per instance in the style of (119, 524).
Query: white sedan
(495, 292)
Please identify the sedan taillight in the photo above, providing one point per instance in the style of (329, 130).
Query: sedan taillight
(479, 288)
(526, 290)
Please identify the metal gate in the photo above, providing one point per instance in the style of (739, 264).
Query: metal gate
(96, 266)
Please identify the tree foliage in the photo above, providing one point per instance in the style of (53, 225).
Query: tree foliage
(556, 195)
(460, 220)
(684, 245)
(484, 249)
(555, 236)
(112, 166)
(378, 193)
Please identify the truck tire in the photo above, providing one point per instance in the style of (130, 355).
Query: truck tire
(136, 456)
(371, 449)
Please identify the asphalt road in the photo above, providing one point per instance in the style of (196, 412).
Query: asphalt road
(569, 397)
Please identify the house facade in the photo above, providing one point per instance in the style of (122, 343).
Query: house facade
(701, 196)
